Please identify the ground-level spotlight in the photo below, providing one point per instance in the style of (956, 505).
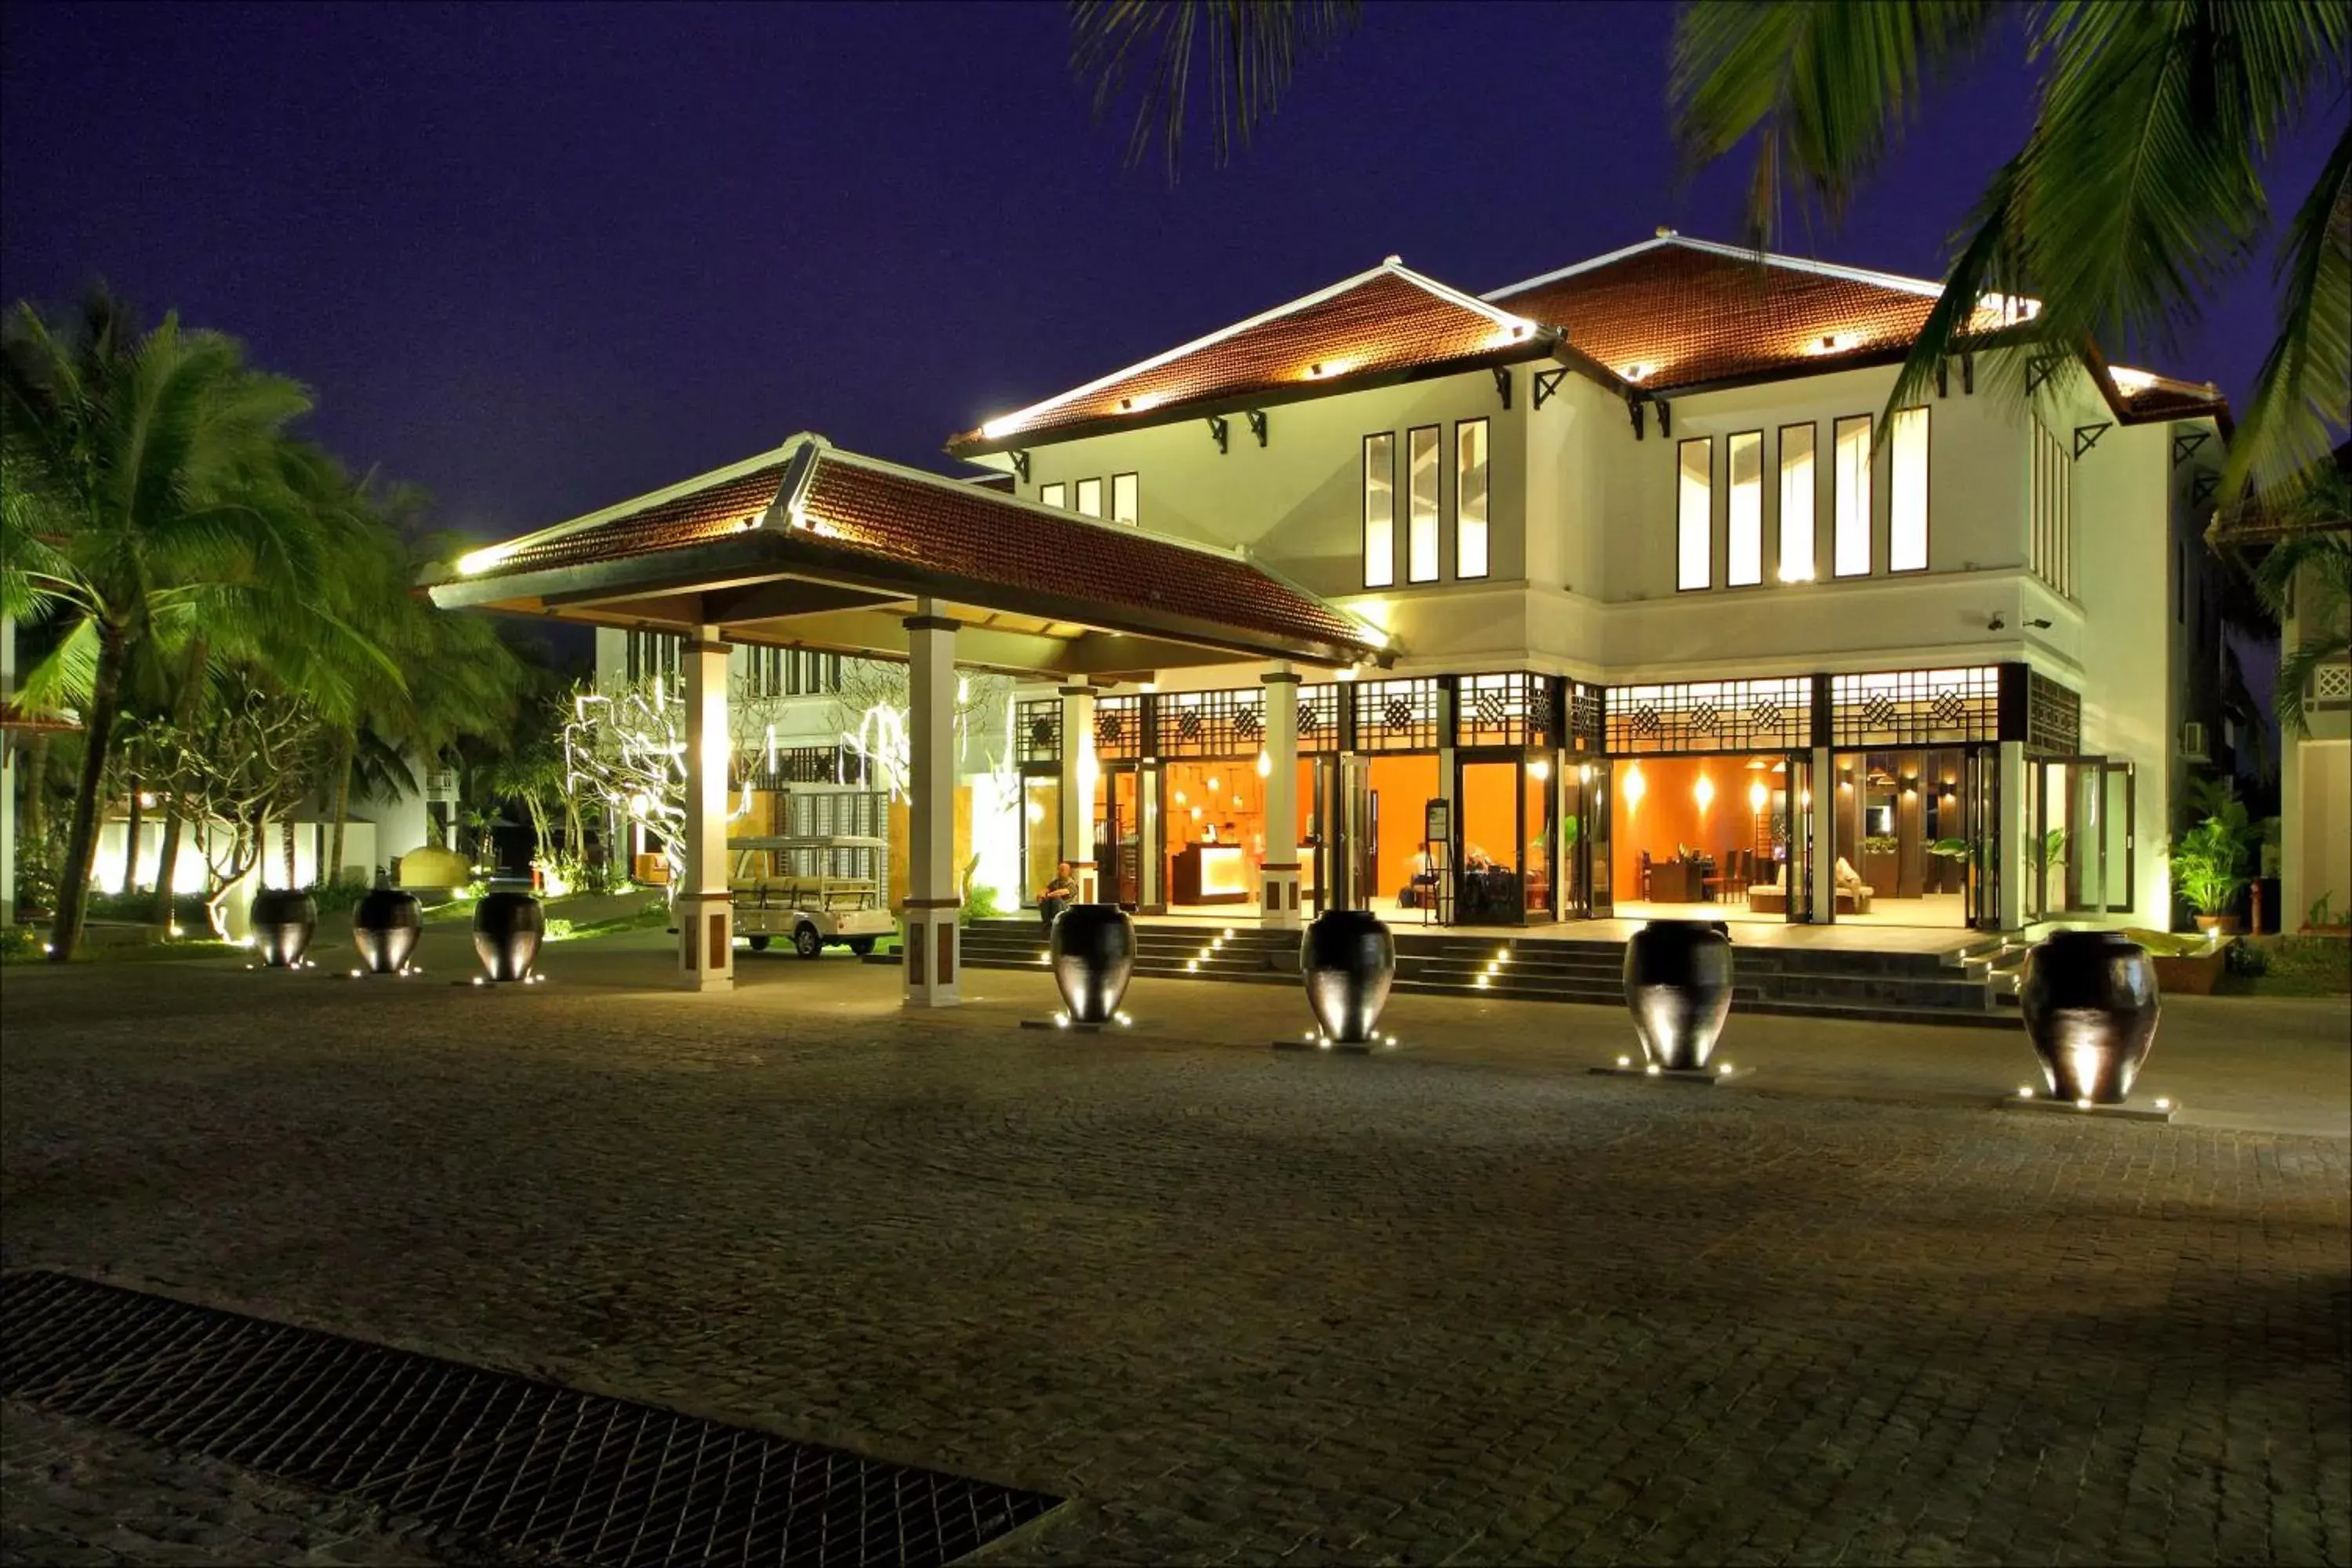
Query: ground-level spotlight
(2083, 1104)
(2162, 1103)
(1191, 966)
(2025, 1092)
(1625, 1061)
(357, 972)
(1061, 1020)
(1724, 1070)
(479, 981)
(1652, 1070)
(1229, 930)
(1124, 1021)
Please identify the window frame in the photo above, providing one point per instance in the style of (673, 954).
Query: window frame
(1730, 518)
(1079, 496)
(1486, 500)
(1869, 499)
(1056, 494)
(1682, 522)
(1364, 488)
(1926, 483)
(1436, 573)
(1810, 529)
(1135, 499)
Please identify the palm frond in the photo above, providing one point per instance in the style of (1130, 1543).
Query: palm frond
(2302, 400)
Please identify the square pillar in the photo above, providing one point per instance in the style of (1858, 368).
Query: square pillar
(706, 911)
(1278, 869)
(2017, 860)
(1823, 837)
(1080, 772)
(933, 956)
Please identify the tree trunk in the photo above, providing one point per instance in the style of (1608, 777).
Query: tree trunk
(130, 837)
(184, 718)
(36, 800)
(334, 871)
(81, 840)
(286, 831)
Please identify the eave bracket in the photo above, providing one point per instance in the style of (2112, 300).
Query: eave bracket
(2087, 436)
(1219, 431)
(1546, 383)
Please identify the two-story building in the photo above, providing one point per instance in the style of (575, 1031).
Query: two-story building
(1676, 624)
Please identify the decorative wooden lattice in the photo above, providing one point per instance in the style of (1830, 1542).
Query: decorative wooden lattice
(1038, 730)
(810, 765)
(1587, 710)
(1916, 706)
(1398, 715)
(1710, 716)
(1508, 710)
(1318, 718)
(1212, 723)
(2053, 717)
(1119, 728)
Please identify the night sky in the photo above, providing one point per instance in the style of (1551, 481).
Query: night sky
(540, 259)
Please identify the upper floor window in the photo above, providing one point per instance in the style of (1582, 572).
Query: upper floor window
(1380, 510)
(1470, 498)
(794, 673)
(651, 654)
(1090, 497)
(1907, 491)
(1056, 494)
(1124, 499)
(1850, 497)
(1421, 516)
(1797, 516)
(2051, 504)
(1744, 552)
(1694, 514)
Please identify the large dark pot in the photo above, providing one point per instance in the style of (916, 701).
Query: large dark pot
(507, 928)
(283, 923)
(384, 928)
(1093, 951)
(1349, 960)
(2090, 1003)
(1678, 984)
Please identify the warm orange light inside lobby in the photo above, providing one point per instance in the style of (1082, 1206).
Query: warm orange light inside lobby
(1729, 809)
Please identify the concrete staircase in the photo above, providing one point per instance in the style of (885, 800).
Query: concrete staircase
(1891, 987)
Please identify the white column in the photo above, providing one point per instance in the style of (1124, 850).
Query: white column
(2017, 861)
(1279, 870)
(934, 945)
(706, 914)
(1080, 772)
(1823, 870)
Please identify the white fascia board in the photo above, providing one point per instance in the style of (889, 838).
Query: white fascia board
(652, 497)
(1570, 271)
(1453, 296)
(1006, 422)
(1919, 285)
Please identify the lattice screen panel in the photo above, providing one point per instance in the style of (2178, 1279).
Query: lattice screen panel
(1398, 715)
(1916, 706)
(1711, 716)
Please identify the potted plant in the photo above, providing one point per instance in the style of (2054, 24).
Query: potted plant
(2211, 861)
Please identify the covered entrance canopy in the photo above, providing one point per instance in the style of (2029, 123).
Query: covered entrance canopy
(812, 547)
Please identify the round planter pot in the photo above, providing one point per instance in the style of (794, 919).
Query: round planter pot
(1093, 952)
(283, 923)
(384, 928)
(2089, 1003)
(1678, 985)
(1349, 959)
(2225, 925)
(507, 928)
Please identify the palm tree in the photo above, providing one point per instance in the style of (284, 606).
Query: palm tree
(144, 474)
(2139, 185)
(2307, 575)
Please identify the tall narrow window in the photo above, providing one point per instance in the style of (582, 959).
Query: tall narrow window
(1090, 496)
(1421, 517)
(1907, 492)
(1470, 498)
(1798, 518)
(1380, 510)
(1743, 564)
(2052, 476)
(1850, 499)
(1123, 498)
(1694, 516)
(1056, 494)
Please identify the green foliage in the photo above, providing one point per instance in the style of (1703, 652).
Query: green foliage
(1949, 848)
(19, 944)
(2324, 913)
(1881, 844)
(979, 904)
(2211, 862)
(2051, 850)
(2248, 958)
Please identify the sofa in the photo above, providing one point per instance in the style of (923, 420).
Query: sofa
(1772, 898)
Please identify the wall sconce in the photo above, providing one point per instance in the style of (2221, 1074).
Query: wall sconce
(1584, 773)
(1539, 770)
(1636, 786)
(1265, 763)
(1212, 786)
(1703, 792)
(1756, 795)
(1179, 798)
(1036, 812)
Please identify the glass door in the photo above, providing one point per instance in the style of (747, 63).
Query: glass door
(1796, 867)
(2116, 784)
(1491, 834)
(1596, 781)
(1540, 833)
(2079, 856)
(1980, 823)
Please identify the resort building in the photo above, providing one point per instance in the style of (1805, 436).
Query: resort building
(1601, 594)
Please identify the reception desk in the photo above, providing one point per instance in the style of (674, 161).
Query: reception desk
(1209, 874)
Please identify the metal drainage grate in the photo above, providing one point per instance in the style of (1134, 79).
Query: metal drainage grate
(577, 1478)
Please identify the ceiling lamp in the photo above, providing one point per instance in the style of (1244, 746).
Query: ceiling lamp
(1640, 370)
(1833, 342)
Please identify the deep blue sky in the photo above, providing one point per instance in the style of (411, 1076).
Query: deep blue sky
(539, 259)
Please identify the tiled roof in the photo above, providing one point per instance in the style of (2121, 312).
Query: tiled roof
(1694, 312)
(977, 541)
(1381, 322)
(2162, 397)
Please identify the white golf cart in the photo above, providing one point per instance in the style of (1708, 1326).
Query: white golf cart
(811, 891)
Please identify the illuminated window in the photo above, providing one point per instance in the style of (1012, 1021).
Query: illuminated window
(1123, 498)
(1470, 498)
(1850, 499)
(1907, 491)
(1380, 510)
(1695, 517)
(1797, 513)
(2053, 511)
(1744, 548)
(1421, 519)
(1056, 494)
(1090, 497)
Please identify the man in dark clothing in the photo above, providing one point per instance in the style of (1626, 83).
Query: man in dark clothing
(1056, 896)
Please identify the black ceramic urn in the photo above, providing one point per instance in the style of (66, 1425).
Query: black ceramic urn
(2089, 1003)
(1678, 984)
(1349, 961)
(384, 927)
(1093, 952)
(507, 928)
(283, 920)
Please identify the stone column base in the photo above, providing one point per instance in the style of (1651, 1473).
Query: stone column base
(706, 942)
(1089, 880)
(933, 959)
(1278, 898)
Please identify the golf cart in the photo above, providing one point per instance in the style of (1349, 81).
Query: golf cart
(811, 891)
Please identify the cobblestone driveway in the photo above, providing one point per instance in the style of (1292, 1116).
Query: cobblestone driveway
(1242, 1305)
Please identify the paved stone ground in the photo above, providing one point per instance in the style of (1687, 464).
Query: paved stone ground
(1463, 1305)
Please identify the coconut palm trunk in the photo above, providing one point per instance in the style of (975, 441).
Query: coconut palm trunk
(334, 869)
(133, 785)
(183, 719)
(81, 839)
